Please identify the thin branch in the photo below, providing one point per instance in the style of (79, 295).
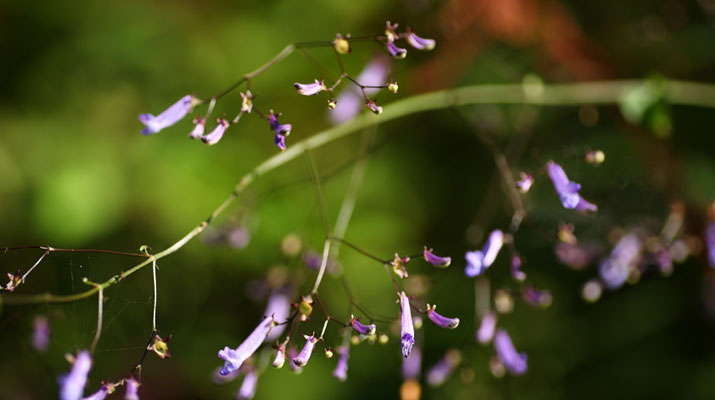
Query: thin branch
(153, 318)
(100, 307)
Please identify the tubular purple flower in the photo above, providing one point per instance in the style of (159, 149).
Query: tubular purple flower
(418, 42)
(279, 308)
(513, 361)
(304, 355)
(341, 368)
(292, 355)
(396, 52)
(362, 329)
(41, 333)
(169, 117)
(280, 141)
(441, 371)
(216, 134)
(132, 391)
(525, 183)
(280, 357)
(478, 261)
(439, 320)
(235, 358)
(710, 242)
(102, 393)
(277, 127)
(199, 127)
(439, 262)
(411, 366)
(407, 330)
(567, 190)
(72, 384)
(248, 387)
(310, 89)
(485, 333)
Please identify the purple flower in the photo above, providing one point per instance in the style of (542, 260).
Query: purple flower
(280, 141)
(310, 89)
(407, 330)
(307, 351)
(41, 333)
(485, 333)
(710, 242)
(539, 298)
(411, 366)
(372, 106)
(248, 387)
(312, 260)
(479, 261)
(350, 100)
(281, 130)
(516, 271)
(280, 357)
(362, 329)
(234, 358)
(439, 262)
(525, 183)
(625, 255)
(513, 361)
(573, 255)
(292, 355)
(279, 308)
(418, 42)
(72, 384)
(169, 117)
(396, 52)
(441, 371)
(102, 393)
(199, 128)
(439, 320)
(216, 134)
(567, 190)
(132, 392)
(341, 368)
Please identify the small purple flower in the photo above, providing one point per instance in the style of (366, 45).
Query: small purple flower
(307, 351)
(710, 242)
(441, 371)
(478, 261)
(102, 393)
(248, 387)
(280, 141)
(411, 366)
(235, 358)
(418, 42)
(72, 384)
(513, 361)
(312, 260)
(439, 320)
(41, 333)
(292, 355)
(573, 255)
(280, 357)
(310, 89)
(567, 190)
(516, 271)
(132, 392)
(199, 127)
(525, 183)
(216, 134)
(439, 262)
(485, 333)
(396, 52)
(362, 329)
(625, 255)
(281, 130)
(341, 368)
(169, 117)
(534, 297)
(279, 308)
(407, 330)
(372, 106)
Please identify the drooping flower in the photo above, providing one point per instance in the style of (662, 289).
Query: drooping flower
(351, 100)
(513, 361)
(101, 394)
(478, 261)
(407, 329)
(439, 320)
(567, 190)
(615, 269)
(362, 329)
(248, 387)
(412, 366)
(525, 183)
(304, 355)
(418, 42)
(292, 355)
(281, 130)
(132, 391)
(439, 262)
(235, 358)
(487, 326)
(279, 308)
(215, 135)
(72, 384)
(396, 52)
(15, 280)
(310, 89)
(341, 368)
(534, 297)
(169, 117)
(199, 128)
(280, 141)
(441, 371)
(280, 357)
(372, 106)
(41, 333)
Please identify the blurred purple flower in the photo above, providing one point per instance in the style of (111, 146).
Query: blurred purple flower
(307, 351)
(279, 308)
(248, 387)
(441, 371)
(396, 52)
(72, 384)
(625, 255)
(362, 328)
(567, 190)
(524, 184)
(439, 320)
(710, 242)
(478, 261)
(534, 297)
(373, 107)
(238, 238)
(350, 100)
(292, 354)
(132, 391)
(513, 361)
(199, 127)
(485, 332)
(310, 89)
(41, 333)
(407, 329)
(411, 366)
(169, 117)
(102, 393)
(516, 271)
(418, 42)
(439, 262)
(235, 358)
(215, 135)
(280, 357)
(341, 368)
(573, 255)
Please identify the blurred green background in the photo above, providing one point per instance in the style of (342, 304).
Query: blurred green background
(76, 173)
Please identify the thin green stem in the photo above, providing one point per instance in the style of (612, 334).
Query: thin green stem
(100, 313)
